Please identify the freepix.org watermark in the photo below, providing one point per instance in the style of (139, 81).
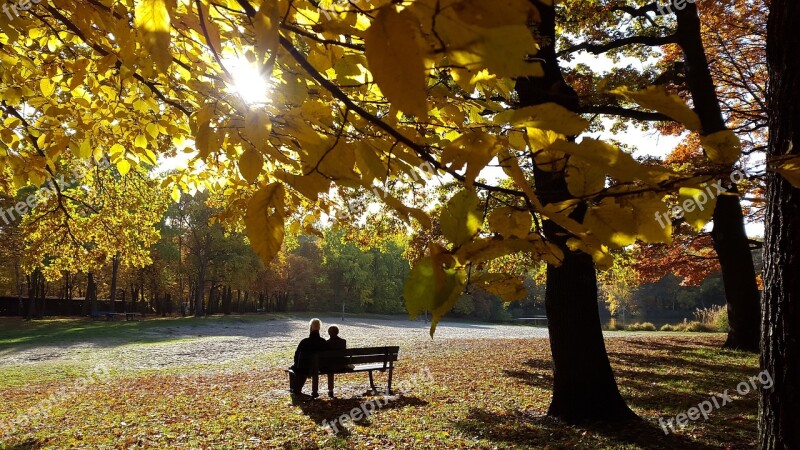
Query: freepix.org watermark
(712, 191)
(680, 5)
(717, 401)
(41, 410)
(369, 407)
(50, 188)
(18, 5)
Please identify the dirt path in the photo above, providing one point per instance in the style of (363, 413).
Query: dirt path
(216, 344)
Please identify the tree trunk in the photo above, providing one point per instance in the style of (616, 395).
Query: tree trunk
(583, 381)
(198, 300)
(779, 408)
(114, 273)
(729, 235)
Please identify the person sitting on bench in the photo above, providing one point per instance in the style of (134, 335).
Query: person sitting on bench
(336, 343)
(303, 357)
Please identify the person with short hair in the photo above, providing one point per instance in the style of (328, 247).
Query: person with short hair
(335, 343)
(304, 357)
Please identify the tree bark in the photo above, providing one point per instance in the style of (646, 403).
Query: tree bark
(584, 387)
(779, 407)
(729, 234)
(199, 291)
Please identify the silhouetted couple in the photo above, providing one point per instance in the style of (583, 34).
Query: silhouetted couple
(304, 356)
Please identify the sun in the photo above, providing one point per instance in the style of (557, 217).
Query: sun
(248, 81)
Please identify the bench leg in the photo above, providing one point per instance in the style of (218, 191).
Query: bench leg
(315, 386)
(330, 385)
(390, 381)
(371, 381)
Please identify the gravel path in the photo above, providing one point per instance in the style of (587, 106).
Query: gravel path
(215, 343)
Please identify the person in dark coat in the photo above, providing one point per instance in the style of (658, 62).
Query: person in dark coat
(303, 357)
(335, 343)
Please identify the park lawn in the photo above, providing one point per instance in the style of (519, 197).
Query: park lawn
(464, 393)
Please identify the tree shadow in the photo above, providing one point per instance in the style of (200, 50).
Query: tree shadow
(520, 428)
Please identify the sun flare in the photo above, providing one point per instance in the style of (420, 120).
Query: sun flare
(248, 81)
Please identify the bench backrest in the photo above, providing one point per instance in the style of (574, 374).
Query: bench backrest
(356, 356)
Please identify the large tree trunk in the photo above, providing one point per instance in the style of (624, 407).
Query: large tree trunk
(729, 235)
(583, 382)
(738, 275)
(584, 387)
(779, 409)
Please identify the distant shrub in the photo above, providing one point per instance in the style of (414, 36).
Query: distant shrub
(646, 326)
(721, 321)
(615, 326)
(692, 327)
(715, 318)
(700, 327)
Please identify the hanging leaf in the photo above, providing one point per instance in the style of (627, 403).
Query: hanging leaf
(508, 287)
(658, 99)
(461, 219)
(696, 206)
(151, 18)
(264, 221)
(510, 222)
(548, 116)
(791, 171)
(395, 60)
(722, 147)
(474, 149)
(251, 164)
(433, 285)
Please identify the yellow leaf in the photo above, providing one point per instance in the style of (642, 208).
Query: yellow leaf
(657, 99)
(461, 218)
(395, 60)
(47, 86)
(152, 130)
(548, 116)
(502, 51)
(251, 164)
(257, 127)
(140, 141)
(611, 223)
(407, 211)
(153, 22)
(611, 160)
(722, 147)
(791, 171)
(647, 208)
(510, 222)
(696, 206)
(508, 287)
(434, 284)
(584, 178)
(264, 221)
(85, 150)
(123, 166)
(266, 23)
(475, 149)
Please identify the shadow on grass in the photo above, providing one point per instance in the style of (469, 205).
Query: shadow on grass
(325, 411)
(518, 428)
(16, 334)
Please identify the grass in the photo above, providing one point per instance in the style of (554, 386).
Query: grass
(483, 394)
(14, 332)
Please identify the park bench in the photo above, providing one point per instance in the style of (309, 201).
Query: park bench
(114, 315)
(351, 360)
